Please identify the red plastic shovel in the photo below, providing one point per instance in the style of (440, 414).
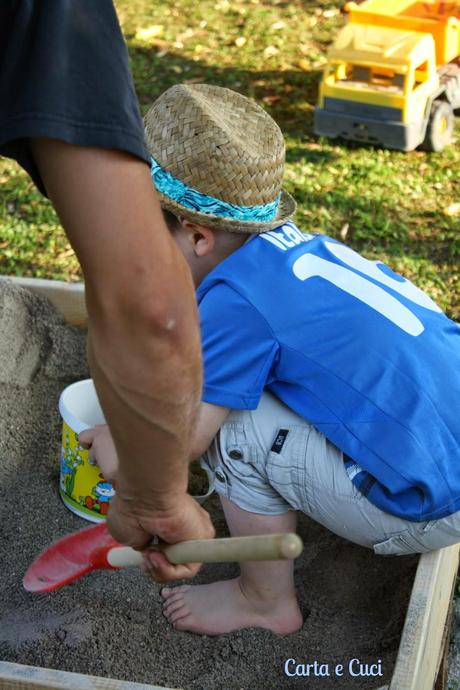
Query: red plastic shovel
(93, 548)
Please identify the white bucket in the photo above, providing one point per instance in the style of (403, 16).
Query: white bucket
(82, 485)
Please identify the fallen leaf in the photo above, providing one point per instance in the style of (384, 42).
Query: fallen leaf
(159, 43)
(319, 63)
(270, 51)
(188, 33)
(240, 41)
(305, 49)
(304, 65)
(271, 99)
(65, 254)
(149, 32)
(344, 231)
(277, 26)
(452, 210)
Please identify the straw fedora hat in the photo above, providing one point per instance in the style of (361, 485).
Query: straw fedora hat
(217, 159)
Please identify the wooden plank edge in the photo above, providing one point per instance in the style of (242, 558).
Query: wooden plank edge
(21, 677)
(68, 298)
(418, 657)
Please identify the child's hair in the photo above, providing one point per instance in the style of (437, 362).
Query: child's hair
(171, 221)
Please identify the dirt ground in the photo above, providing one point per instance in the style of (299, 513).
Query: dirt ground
(110, 623)
(453, 676)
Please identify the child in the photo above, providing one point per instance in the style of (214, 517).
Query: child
(332, 385)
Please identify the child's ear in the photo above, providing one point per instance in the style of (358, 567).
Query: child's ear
(202, 239)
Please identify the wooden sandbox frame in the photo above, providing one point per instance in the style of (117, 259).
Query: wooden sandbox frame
(420, 663)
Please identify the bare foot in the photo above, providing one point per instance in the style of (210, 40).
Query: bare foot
(221, 607)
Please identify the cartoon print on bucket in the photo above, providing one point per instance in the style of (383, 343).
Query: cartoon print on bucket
(70, 461)
(100, 497)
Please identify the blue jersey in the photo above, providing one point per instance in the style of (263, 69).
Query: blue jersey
(355, 349)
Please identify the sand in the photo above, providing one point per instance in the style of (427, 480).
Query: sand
(110, 623)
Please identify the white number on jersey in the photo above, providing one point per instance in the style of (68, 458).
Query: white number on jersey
(309, 265)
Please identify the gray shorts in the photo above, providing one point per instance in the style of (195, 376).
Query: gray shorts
(269, 461)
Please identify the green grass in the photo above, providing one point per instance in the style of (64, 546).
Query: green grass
(387, 204)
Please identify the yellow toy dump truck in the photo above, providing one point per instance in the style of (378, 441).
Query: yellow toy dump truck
(392, 78)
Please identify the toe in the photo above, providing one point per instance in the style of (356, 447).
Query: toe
(181, 625)
(168, 592)
(178, 618)
(172, 606)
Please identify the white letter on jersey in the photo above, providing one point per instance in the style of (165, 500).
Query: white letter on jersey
(286, 237)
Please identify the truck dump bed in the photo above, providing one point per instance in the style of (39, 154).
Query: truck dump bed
(440, 19)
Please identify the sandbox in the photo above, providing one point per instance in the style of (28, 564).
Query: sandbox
(109, 624)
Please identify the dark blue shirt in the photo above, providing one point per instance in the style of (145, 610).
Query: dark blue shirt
(64, 74)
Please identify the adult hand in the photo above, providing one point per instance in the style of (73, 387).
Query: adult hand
(134, 526)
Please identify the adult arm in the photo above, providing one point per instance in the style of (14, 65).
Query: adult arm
(144, 348)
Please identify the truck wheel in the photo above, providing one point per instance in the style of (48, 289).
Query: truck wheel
(440, 126)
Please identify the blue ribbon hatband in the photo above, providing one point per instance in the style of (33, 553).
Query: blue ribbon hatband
(176, 190)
